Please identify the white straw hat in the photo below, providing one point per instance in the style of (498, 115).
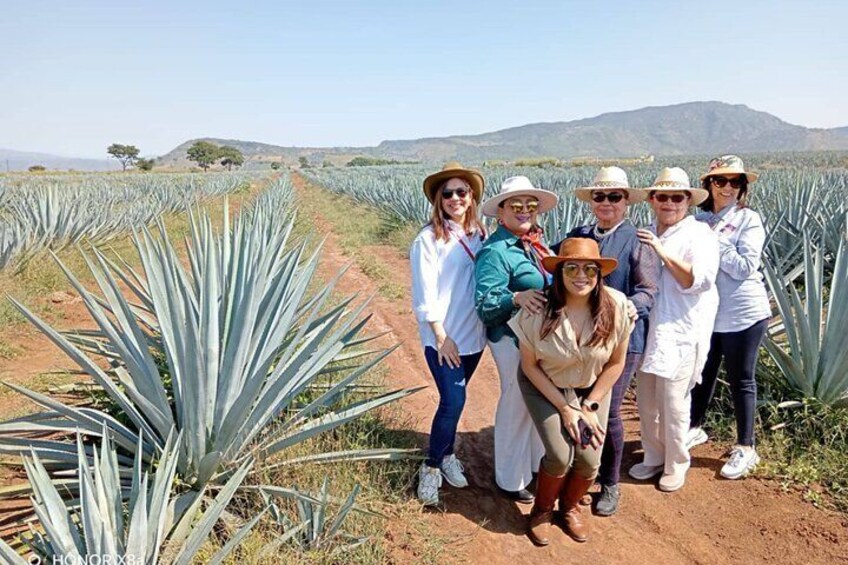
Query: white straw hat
(675, 179)
(519, 186)
(609, 178)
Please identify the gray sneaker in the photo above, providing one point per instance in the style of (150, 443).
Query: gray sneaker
(608, 502)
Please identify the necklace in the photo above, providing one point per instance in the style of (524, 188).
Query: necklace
(606, 233)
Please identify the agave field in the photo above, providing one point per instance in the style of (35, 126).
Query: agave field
(803, 200)
(52, 212)
(211, 368)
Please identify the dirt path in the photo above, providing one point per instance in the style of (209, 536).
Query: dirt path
(709, 521)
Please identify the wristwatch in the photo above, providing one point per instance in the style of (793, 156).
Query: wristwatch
(591, 405)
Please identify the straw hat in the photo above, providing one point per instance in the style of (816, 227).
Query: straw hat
(675, 179)
(729, 165)
(608, 178)
(452, 169)
(519, 186)
(580, 249)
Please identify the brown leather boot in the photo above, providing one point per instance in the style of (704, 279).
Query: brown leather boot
(548, 487)
(569, 503)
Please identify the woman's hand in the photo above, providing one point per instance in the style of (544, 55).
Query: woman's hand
(448, 351)
(650, 238)
(531, 300)
(570, 418)
(598, 433)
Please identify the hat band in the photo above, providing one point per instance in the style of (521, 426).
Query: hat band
(609, 184)
(672, 184)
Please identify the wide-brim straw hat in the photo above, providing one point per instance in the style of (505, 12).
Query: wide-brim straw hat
(729, 165)
(580, 249)
(452, 169)
(609, 178)
(675, 179)
(519, 186)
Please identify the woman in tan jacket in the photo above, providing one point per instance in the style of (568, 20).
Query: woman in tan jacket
(572, 352)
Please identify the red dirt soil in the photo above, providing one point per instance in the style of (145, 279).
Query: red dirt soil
(709, 521)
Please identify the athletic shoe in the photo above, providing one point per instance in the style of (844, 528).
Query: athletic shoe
(642, 472)
(608, 502)
(742, 460)
(452, 472)
(429, 481)
(672, 481)
(697, 436)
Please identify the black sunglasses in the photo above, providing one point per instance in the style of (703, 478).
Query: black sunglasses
(448, 194)
(613, 197)
(721, 182)
(676, 198)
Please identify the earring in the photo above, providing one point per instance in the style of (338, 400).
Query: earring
(500, 222)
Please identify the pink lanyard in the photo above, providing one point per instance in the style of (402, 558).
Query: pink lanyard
(461, 242)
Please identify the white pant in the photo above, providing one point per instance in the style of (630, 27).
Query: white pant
(518, 447)
(664, 406)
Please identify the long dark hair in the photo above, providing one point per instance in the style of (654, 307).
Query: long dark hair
(741, 198)
(601, 305)
(438, 217)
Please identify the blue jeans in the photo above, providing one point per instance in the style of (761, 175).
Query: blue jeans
(451, 384)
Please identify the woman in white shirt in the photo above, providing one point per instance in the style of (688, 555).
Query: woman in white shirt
(442, 259)
(743, 311)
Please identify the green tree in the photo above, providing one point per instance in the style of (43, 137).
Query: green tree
(230, 156)
(276, 166)
(304, 162)
(143, 164)
(203, 153)
(37, 169)
(126, 154)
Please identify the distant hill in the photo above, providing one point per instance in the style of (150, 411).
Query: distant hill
(21, 161)
(680, 129)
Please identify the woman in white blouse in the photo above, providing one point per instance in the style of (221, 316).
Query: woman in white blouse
(743, 310)
(442, 258)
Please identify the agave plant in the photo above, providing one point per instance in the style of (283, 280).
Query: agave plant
(240, 339)
(809, 344)
(96, 526)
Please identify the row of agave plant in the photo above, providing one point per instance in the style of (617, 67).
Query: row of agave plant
(212, 369)
(53, 212)
(804, 209)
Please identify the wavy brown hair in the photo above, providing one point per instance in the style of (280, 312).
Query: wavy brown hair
(438, 215)
(741, 198)
(601, 305)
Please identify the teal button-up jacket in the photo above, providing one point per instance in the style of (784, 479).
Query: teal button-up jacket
(502, 268)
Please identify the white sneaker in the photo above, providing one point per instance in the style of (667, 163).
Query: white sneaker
(741, 461)
(429, 481)
(696, 436)
(452, 472)
(672, 481)
(642, 472)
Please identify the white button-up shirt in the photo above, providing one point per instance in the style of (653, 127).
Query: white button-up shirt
(681, 321)
(443, 288)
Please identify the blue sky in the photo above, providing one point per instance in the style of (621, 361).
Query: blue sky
(77, 76)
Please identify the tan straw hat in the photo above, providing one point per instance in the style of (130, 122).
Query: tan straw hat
(675, 179)
(609, 178)
(729, 165)
(452, 169)
(519, 186)
(580, 249)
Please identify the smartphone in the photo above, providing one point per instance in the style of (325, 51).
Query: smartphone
(586, 433)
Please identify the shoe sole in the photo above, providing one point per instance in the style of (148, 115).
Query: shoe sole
(671, 489)
(747, 470)
(451, 483)
(697, 442)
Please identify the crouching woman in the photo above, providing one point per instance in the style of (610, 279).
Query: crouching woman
(572, 352)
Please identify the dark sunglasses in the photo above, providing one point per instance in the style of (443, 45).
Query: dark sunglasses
(448, 194)
(613, 197)
(721, 182)
(676, 198)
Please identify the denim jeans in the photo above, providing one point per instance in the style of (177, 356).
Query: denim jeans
(451, 384)
(613, 450)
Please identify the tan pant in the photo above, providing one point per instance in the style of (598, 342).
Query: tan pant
(664, 406)
(561, 453)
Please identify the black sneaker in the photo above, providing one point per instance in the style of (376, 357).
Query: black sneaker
(522, 496)
(608, 502)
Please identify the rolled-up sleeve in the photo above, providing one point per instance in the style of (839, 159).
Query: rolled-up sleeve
(741, 260)
(425, 276)
(523, 325)
(703, 255)
(492, 298)
(644, 278)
